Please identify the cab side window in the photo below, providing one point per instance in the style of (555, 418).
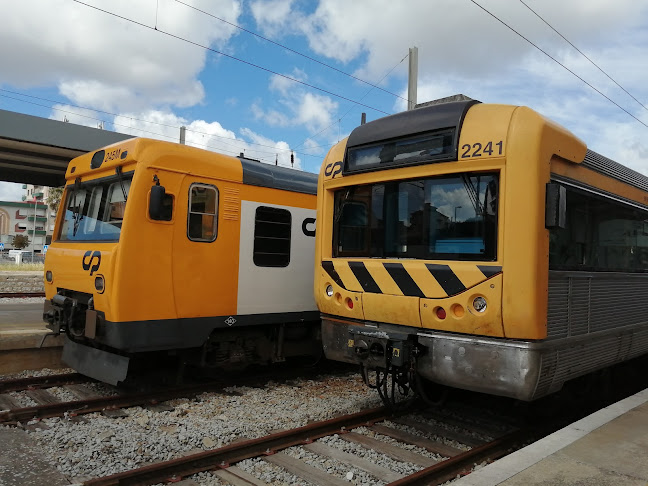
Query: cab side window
(202, 224)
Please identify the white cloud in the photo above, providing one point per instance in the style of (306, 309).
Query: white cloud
(272, 15)
(459, 37)
(11, 192)
(300, 106)
(205, 135)
(282, 153)
(104, 62)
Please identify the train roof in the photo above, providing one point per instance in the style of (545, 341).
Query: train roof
(610, 168)
(160, 154)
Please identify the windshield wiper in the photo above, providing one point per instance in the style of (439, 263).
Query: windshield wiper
(77, 216)
(118, 170)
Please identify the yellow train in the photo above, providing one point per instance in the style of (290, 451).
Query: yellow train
(482, 247)
(160, 247)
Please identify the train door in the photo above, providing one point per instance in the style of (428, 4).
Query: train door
(205, 250)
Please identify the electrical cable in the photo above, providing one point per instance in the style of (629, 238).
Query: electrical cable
(230, 56)
(557, 62)
(143, 121)
(290, 49)
(584, 55)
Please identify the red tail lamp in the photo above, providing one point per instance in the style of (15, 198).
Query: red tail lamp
(349, 303)
(440, 313)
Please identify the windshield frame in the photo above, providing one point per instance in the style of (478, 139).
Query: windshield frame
(110, 185)
(405, 218)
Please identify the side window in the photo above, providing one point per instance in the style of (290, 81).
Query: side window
(601, 235)
(202, 224)
(272, 227)
(116, 202)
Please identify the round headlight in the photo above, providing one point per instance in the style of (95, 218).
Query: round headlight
(48, 276)
(329, 291)
(479, 304)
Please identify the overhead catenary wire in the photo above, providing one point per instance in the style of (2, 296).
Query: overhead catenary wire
(375, 86)
(558, 62)
(239, 147)
(584, 55)
(174, 36)
(166, 125)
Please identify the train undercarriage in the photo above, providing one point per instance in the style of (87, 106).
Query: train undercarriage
(398, 359)
(109, 351)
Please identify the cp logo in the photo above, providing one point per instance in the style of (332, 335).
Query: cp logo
(88, 258)
(333, 169)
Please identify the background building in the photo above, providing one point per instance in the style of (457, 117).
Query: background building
(31, 217)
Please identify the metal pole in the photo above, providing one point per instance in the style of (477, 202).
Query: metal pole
(413, 78)
(183, 131)
(34, 235)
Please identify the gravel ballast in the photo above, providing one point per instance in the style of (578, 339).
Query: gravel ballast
(97, 445)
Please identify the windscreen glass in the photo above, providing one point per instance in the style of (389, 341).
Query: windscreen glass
(94, 211)
(441, 218)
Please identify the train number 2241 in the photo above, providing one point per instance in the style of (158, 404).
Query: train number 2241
(490, 149)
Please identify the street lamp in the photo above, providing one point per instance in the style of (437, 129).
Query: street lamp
(456, 207)
(34, 235)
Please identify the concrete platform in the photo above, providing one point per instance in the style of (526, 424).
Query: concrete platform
(22, 346)
(609, 447)
(22, 462)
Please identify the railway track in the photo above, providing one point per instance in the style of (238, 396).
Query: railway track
(409, 435)
(48, 405)
(21, 295)
(446, 462)
(89, 400)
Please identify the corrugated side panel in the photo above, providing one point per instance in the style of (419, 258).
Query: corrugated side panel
(584, 303)
(558, 310)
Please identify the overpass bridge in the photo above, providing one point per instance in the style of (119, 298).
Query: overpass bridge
(37, 151)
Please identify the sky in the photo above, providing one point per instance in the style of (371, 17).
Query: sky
(275, 77)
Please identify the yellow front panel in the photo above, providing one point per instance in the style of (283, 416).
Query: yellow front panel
(391, 309)
(461, 316)
(75, 266)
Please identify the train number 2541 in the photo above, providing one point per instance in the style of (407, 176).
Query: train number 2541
(490, 149)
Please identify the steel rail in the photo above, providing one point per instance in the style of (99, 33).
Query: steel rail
(98, 404)
(462, 463)
(78, 407)
(20, 295)
(42, 382)
(175, 469)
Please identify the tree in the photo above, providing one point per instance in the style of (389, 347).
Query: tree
(54, 198)
(21, 241)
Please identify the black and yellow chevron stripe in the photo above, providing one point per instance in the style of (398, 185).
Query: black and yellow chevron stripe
(411, 278)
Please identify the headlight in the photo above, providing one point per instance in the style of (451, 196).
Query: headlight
(329, 291)
(479, 304)
(99, 284)
(48, 276)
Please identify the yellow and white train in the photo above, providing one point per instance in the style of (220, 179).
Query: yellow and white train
(160, 247)
(482, 247)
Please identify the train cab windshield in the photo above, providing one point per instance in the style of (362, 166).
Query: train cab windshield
(94, 211)
(439, 218)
